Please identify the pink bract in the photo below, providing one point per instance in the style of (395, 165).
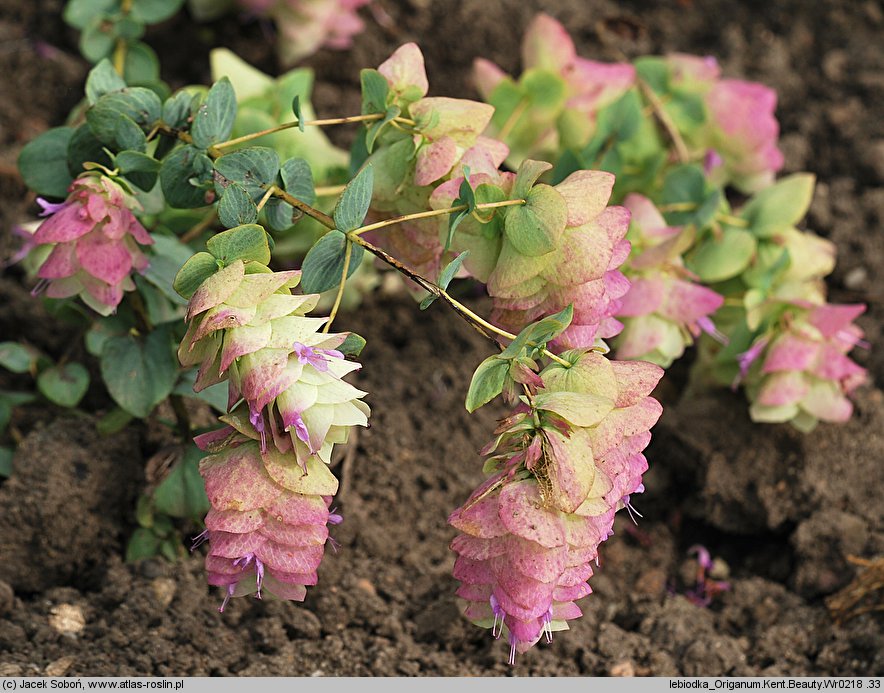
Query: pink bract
(96, 243)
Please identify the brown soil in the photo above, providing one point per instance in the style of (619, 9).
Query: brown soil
(782, 510)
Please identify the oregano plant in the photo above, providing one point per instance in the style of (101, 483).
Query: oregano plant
(591, 203)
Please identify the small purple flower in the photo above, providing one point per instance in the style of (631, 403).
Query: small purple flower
(49, 208)
(705, 323)
(747, 358)
(256, 417)
(244, 562)
(499, 616)
(199, 539)
(231, 588)
(703, 556)
(315, 357)
(334, 517)
(712, 160)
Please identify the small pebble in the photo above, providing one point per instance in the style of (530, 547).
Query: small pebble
(624, 668)
(60, 666)
(164, 590)
(67, 618)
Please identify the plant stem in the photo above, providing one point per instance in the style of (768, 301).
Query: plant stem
(264, 199)
(321, 217)
(348, 251)
(195, 230)
(321, 121)
(731, 220)
(681, 149)
(678, 207)
(478, 323)
(433, 213)
(121, 47)
(329, 190)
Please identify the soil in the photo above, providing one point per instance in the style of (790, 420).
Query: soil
(781, 512)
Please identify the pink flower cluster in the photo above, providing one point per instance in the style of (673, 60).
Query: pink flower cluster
(582, 269)
(96, 243)
(665, 308)
(588, 86)
(741, 139)
(530, 533)
(803, 374)
(737, 141)
(268, 479)
(307, 25)
(267, 527)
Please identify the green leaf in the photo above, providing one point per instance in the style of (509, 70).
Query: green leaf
(97, 39)
(445, 277)
(176, 109)
(538, 334)
(527, 175)
(43, 163)
(353, 345)
(114, 421)
(655, 72)
(103, 329)
(84, 147)
(237, 207)
(465, 196)
(615, 123)
(79, 13)
(194, 272)
(18, 358)
(297, 179)
(324, 264)
(375, 90)
(781, 205)
(375, 128)
(687, 184)
(545, 89)
(6, 455)
(254, 168)
(296, 109)
(534, 227)
(155, 11)
(247, 243)
(175, 178)
(129, 161)
(354, 201)
(142, 544)
(140, 373)
(103, 79)
(717, 259)
(214, 395)
(143, 67)
(579, 409)
(139, 104)
(167, 256)
(280, 215)
(64, 385)
(214, 120)
(182, 493)
(487, 382)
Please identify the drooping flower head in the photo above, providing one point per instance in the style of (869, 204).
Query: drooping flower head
(563, 464)
(96, 244)
(267, 478)
(251, 328)
(268, 524)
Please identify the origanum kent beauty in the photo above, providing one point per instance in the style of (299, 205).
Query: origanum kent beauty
(616, 215)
